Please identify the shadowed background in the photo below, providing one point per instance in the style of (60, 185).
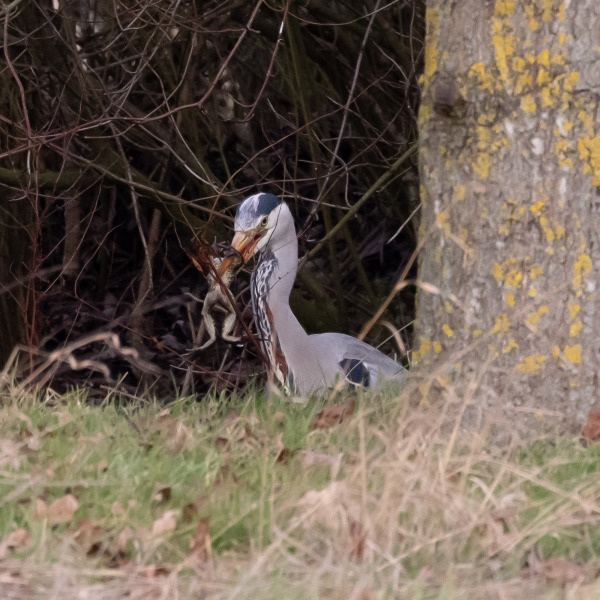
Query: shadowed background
(130, 131)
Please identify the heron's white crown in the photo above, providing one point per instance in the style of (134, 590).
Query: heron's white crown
(251, 211)
(261, 213)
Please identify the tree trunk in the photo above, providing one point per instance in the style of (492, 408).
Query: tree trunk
(510, 166)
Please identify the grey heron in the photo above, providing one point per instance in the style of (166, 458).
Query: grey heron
(303, 364)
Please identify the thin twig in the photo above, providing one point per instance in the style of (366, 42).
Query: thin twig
(383, 180)
(267, 77)
(346, 110)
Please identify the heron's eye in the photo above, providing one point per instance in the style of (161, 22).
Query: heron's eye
(264, 221)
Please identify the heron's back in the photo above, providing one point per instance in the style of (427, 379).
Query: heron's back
(333, 350)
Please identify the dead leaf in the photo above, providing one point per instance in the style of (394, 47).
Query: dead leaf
(165, 523)
(221, 442)
(180, 438)
(200, 543)
(15, 539)
(426, 573)
(10, 455)
(190, 511)
(158, 344)
(585, 592)
(40, 509)
(591, 430)
(279, 441)
(231, 417)
(152, 571)
(284, 455)
(88, 534)
(117, 509)
(34, 441)
(331, 507)
(60, 510)
(357, 540)
(225, 474)
(562, 571)
(162, 493)
(21, 416)
(334, 414)
(123, 540)
(312, 459)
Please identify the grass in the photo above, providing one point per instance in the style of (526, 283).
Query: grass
(244, 498)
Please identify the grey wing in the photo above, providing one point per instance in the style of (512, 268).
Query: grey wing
(361, 363)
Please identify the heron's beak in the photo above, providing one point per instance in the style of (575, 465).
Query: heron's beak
(244, 243)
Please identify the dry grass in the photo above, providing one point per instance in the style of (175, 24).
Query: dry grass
(245, 499)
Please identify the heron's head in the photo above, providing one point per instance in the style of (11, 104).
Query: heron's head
(256, 222)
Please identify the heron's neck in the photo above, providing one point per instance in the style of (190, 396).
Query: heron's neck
(277, 325)
(274, 279)
(284, 259)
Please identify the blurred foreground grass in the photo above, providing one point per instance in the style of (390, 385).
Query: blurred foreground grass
(269, 499)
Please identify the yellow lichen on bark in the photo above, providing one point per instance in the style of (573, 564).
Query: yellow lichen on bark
(563, 150)
(505, 7)
(460, 192)
(573, 354)
(504, 47)
(575, 328)
(534, 317)
(431, 49)
(442, 220)
(511, 211)
(509, 346)
(589, 154)
(553, 10)
(536, 207)
(482, 164)
(423, 348)
(497, 272)
(509, 273)
(514, 277)
(540, 80)
(535, 271)
(528, 104)
(531, 364)
(485, 79)
(582, 266)
(501, 324)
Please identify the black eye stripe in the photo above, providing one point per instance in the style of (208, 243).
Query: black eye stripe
(266, 203)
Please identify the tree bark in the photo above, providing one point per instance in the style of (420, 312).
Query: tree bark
(510, 167)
